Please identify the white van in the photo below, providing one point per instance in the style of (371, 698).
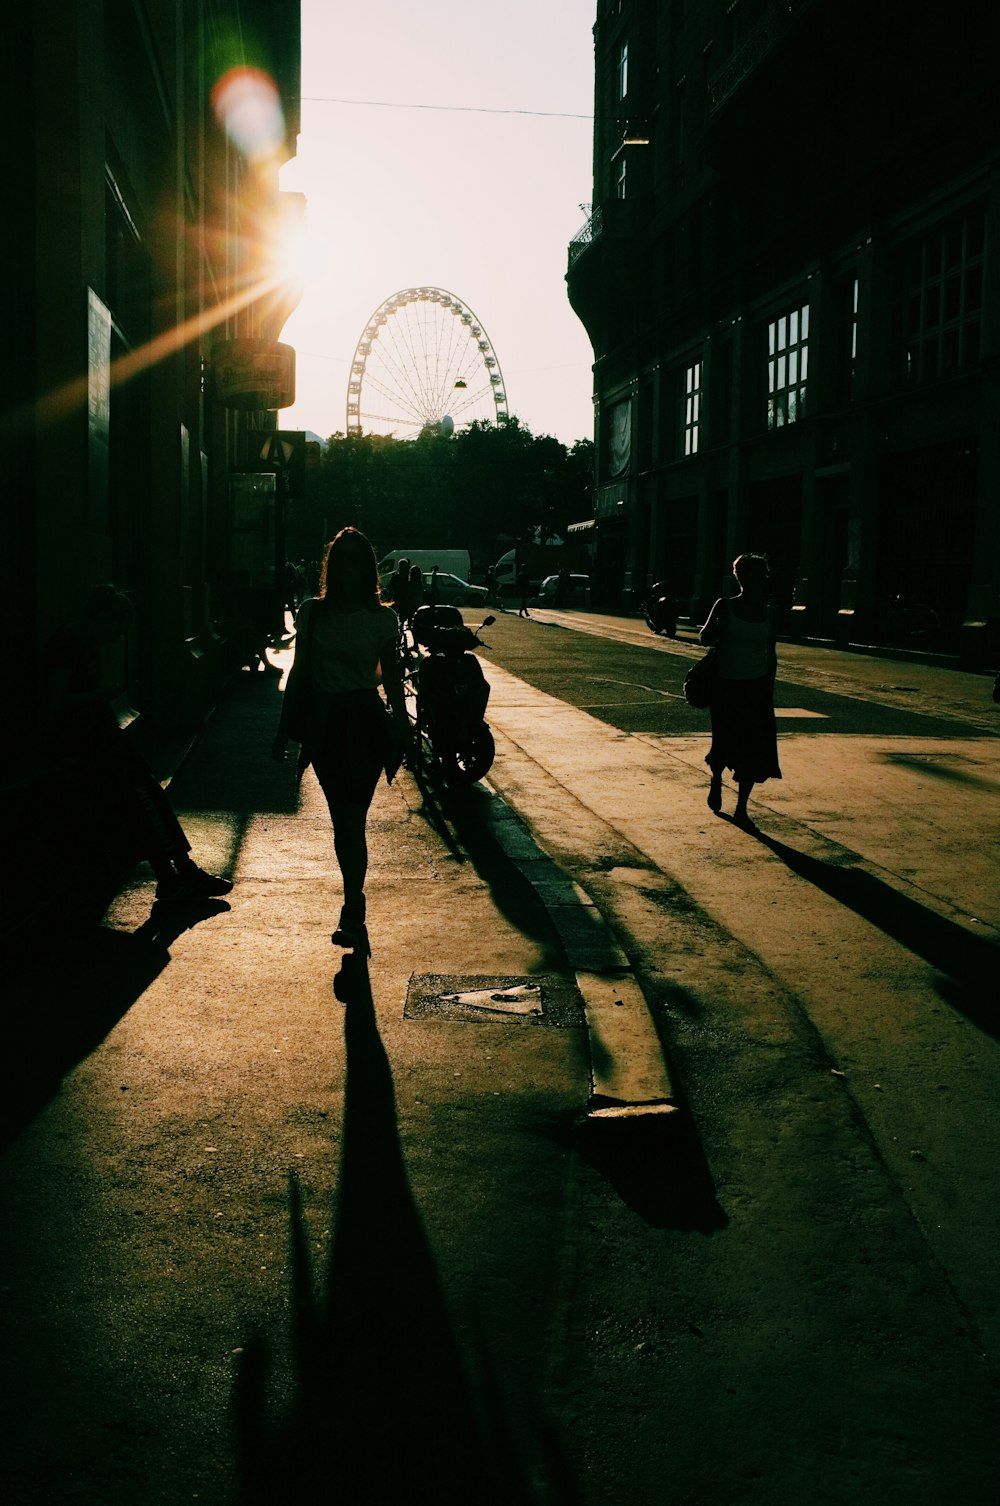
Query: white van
(448, 561)
(543, 560)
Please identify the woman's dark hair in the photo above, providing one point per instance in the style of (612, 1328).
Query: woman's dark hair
(747, 567)
(352, 538)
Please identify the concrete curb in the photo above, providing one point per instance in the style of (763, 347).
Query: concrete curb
(629, 1077)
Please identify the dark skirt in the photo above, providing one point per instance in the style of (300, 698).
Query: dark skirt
(349, 745)
(744, 735)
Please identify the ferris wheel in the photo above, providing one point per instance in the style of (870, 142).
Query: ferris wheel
(423, 361)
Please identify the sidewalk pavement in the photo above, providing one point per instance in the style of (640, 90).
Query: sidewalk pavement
(171, 1070)
(169, 1081)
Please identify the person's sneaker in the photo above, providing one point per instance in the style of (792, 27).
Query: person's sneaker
(196, 881)
(192, 883)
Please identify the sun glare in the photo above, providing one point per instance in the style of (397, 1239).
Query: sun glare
(247, 104)
(291, 254)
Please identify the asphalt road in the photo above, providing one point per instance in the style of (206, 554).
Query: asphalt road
(850, 947)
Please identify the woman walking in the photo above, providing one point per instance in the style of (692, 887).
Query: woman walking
(345, 643)
(744, 738)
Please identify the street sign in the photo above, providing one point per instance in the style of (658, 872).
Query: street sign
(285, 451)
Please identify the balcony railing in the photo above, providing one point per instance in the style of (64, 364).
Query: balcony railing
(781, 17)
(590, 233)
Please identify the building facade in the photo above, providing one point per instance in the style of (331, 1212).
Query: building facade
(140, 235)
(790, 283)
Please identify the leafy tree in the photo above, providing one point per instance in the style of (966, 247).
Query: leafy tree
(478, 488)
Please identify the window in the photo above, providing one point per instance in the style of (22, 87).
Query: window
(620, 180)
(787, 367)
(941, 298)
(623, 71)
(847, 337)
(692, 408)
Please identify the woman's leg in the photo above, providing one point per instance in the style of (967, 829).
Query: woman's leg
(350, 843)
(715, 792)
(743, 787)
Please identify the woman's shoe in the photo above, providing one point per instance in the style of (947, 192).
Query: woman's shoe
(352, 932)
(353, 938)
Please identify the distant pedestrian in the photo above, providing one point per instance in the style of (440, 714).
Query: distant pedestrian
(345, 642)
(523, 588)
(408, 595)
(415, 592)
(115, 803)
(493, 597)
(744, 735)
(432, 592)
(398, 585)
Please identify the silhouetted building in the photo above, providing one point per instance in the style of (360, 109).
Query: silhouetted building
(790, 282)
(141, 207)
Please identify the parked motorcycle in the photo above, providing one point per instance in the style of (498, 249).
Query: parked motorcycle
(451, 693)
(660, 611)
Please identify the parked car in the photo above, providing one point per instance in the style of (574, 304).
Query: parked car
(453, 591)
(577, 592)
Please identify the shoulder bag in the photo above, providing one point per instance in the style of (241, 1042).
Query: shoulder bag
(702, 678)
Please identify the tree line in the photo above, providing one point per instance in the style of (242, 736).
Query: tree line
(481, 488)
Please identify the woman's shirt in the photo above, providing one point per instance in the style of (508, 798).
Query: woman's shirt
(345, 648)
(745, 648)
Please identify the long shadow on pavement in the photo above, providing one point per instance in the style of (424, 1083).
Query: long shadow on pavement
(61, 1002)
(970, 963)
(657, 1165)
(386, 1407)
(456, 816)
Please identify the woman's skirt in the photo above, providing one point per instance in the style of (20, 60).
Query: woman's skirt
(349, 743)
(744, 735)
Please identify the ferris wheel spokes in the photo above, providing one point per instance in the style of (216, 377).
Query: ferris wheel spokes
(421, 349)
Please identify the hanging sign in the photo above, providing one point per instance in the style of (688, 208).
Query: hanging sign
(253, 374)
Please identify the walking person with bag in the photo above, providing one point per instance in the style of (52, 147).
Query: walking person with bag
(345, 644)
(523, 588)
(742, 630)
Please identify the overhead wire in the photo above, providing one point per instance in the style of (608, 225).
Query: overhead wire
(392, 104)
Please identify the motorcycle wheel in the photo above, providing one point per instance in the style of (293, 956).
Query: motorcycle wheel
(467, 764)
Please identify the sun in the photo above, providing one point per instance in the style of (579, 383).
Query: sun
(290, 250)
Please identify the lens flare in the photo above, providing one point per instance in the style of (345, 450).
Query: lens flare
(288, 250)
(247, 105)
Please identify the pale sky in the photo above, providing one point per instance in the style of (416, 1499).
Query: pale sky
(480, 204)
